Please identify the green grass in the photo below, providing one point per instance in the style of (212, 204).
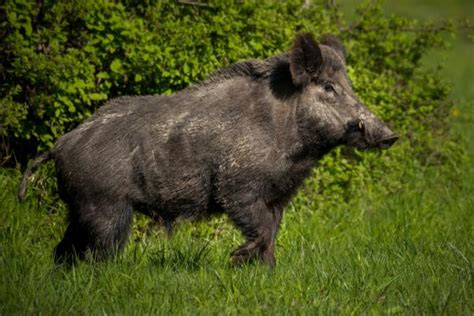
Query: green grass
(409, 252)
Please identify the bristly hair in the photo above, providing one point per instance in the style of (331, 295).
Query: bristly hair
(335, 43)
(254, 69)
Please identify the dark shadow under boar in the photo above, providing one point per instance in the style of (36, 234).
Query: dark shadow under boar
(239, 143)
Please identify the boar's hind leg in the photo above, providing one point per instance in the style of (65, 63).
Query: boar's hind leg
(72, 246)
(103, 230)
(259, 224)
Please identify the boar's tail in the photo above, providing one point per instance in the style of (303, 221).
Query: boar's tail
(31, 167)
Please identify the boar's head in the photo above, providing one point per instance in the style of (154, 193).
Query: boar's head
(328, 111)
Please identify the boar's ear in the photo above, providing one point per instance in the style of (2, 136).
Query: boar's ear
(305, 59)
(335, 43)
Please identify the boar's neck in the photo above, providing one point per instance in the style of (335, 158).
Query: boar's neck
(249, 111)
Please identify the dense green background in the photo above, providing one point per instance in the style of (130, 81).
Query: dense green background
(381, 232)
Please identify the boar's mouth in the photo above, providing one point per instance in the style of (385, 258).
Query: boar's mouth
(387, 142)
(380, 144)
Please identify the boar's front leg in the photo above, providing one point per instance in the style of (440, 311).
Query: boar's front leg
(259, 223)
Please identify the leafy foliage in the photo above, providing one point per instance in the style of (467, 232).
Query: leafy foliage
(61, 60)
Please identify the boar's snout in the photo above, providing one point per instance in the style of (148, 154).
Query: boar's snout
(385, 137)
(388, 142)
(370, 134)
(380, 136)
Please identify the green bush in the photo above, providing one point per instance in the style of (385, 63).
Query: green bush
(60, 60)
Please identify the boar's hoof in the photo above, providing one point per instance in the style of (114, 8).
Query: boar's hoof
(249, 253)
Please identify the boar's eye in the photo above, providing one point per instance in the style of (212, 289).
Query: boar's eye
(329, 87)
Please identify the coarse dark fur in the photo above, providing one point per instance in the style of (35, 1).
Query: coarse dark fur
(239, 143)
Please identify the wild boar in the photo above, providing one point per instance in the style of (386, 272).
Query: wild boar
(239, 143)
